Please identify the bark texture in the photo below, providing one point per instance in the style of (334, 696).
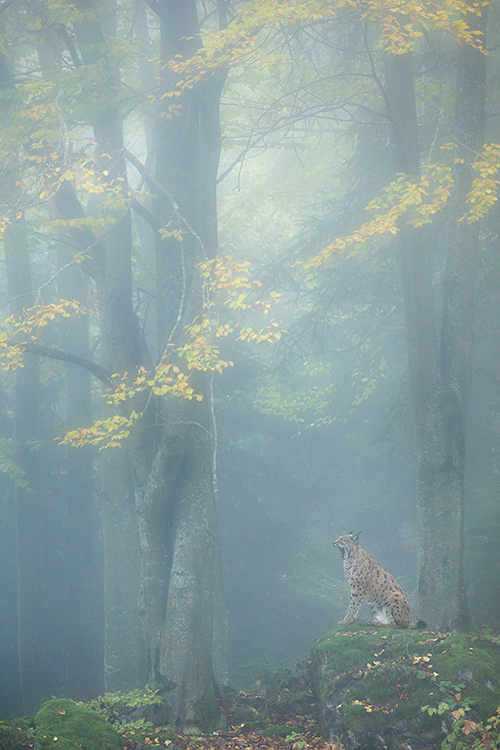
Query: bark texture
(181, 590)
(439, 352)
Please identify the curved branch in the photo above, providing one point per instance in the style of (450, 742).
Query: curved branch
(146, 215)
(155, 184)
(88, 364)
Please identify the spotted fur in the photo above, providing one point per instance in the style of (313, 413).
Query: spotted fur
(368, 580)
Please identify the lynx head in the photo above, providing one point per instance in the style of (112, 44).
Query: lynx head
(347, 543)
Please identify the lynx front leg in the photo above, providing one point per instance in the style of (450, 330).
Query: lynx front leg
(353, 609)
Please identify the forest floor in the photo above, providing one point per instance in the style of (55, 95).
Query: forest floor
(280, 715)
(296, 731)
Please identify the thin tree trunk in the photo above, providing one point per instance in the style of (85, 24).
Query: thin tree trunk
(33, 643)
(30, 507)
(84, 631)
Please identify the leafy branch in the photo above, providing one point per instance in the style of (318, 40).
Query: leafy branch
(225, 282)
(415, 202)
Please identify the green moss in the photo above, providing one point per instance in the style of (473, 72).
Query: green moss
(207, 711)
(63, 724)
(476, 662)
(380, 678)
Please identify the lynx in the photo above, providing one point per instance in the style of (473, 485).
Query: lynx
(368, 580)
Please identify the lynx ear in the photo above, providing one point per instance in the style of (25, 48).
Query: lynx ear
(354, 536)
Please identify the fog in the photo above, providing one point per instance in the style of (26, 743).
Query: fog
(210, 357)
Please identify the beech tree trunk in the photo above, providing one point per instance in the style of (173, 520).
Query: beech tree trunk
(169, 450)
(181, 593)
(439, 364)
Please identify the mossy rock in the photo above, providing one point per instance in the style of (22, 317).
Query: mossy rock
(371, 685)
(62, 724)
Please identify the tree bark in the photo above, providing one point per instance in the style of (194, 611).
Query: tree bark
(439, 371)
(181, 602)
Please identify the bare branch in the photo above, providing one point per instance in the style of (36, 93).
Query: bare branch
(63, 33)
(96, 369)
(153, 183)
(146, 215)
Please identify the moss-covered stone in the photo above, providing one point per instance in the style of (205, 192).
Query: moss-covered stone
(371, 685)
(62, 724)
(207, 711)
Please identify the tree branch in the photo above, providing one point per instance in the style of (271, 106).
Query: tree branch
(63, 33)
(96, 369)
(154, 184)
(146, 215)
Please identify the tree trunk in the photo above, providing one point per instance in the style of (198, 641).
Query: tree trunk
(84, 631)
(168, 465)
(181, 602)
(439, 373)
(125, 666)
(30, 522)
(122, 350)
(169, 449)
(457, 339)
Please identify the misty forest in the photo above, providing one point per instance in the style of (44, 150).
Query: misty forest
(250, 297)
